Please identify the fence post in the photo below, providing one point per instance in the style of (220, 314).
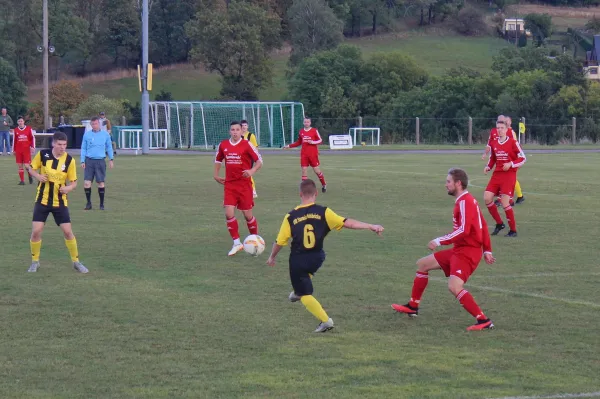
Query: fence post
(525, 135)
(574, 132)
(359, 119)
(61, 120)
(417, 137)
(470, 139)
(123, 121)
(50, 121)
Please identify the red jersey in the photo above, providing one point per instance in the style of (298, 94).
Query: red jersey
(470, 228)
(507, 151)
(238, 157)
(309, 139)
(23, 139)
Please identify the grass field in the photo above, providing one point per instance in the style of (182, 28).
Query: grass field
(164, 313)
(443, 52)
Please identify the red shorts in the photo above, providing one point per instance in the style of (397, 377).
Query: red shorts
(23, 157)
(239, 194)
(460, 263)
(502, 184)
(309, 160)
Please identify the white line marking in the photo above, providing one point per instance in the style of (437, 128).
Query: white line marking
(557, 396)
(519, 293)
(542, 274)
(385, 171)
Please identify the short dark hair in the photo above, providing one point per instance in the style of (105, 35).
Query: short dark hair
(308, 117)
(235, 123)
(59, 136)
(95, 118)
(308, 188)
(502, 123)
(459, 175)
(244, 121)
(4, 108)
(20, 117)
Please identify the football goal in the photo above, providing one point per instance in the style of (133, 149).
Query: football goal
(205, 123)
(366, 135)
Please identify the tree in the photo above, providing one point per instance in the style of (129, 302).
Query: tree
(470, 22)
(383, 77)
(95, 103)
(593, 25)
(168, 42)
(64, 98)
(325, 77)
(12, 90)
(510, 60)
(123, 32)
(235, 42)
(540, 26)
(313, 27)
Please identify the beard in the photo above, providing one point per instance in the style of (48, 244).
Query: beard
(452, 192)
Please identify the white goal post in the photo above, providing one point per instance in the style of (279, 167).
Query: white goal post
(367, 135)
(130, 139)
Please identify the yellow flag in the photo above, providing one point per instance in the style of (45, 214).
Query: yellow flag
(521, 128)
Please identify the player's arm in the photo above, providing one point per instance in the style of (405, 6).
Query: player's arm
(465, 219)
(487, 241)
(296, 143)
(491, 162)
(36, 164)
(284, 235)
(219, 157)
(521, 158)
(336, 222)
(317, 139)
(256, 158)
(109, 150)
(31, 139)
(108, 125)
(72, 178)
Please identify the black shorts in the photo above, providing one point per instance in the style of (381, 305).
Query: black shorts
(94, 168)
(60, 213)
(302, 267)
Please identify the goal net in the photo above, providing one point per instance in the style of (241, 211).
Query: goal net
(205, 123)
(366, 135)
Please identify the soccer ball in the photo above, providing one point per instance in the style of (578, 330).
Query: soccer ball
(254, 245)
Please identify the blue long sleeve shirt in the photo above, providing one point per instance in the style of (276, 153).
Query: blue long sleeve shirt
(96, 145)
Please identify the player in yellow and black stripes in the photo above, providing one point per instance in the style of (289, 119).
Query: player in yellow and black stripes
(251, 137)
(307, 225)
(57, 177)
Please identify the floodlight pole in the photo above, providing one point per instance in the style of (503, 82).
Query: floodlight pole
(145, 94)
(45, 65)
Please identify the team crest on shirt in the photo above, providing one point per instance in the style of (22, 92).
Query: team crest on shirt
(47, 155)
(62, 167)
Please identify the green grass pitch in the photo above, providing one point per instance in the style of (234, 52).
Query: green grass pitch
(164, 313)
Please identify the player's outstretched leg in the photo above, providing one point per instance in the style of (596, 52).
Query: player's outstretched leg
(455, 285)
(233, 228)
(424, 265)
(101, 194)
(321, 177)
(510, 216)
(251, 222)
(88, 197)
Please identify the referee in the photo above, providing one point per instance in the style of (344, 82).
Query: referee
(94, 147)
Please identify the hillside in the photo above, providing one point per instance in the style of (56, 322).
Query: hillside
(435, 53)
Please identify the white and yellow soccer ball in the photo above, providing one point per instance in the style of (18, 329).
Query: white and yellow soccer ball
(254, 244)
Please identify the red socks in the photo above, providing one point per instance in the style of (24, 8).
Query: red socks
(322, 179)
(510, 215)
(494, 212)
(232, 226)
(419, 286)
(22, 174)
(252, 225)
(467, 301)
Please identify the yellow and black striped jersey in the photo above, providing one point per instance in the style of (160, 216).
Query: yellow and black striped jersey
(251, 137)
(58, 170)
(307, 226)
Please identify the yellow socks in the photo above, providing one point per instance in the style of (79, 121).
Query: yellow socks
(518, 191)
(314, 307)
(36, 248)
(72, 247)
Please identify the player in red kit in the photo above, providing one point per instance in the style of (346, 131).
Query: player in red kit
(23, 147)
(507, 157)
(239, 156)
(309, 139)
(470, 239)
